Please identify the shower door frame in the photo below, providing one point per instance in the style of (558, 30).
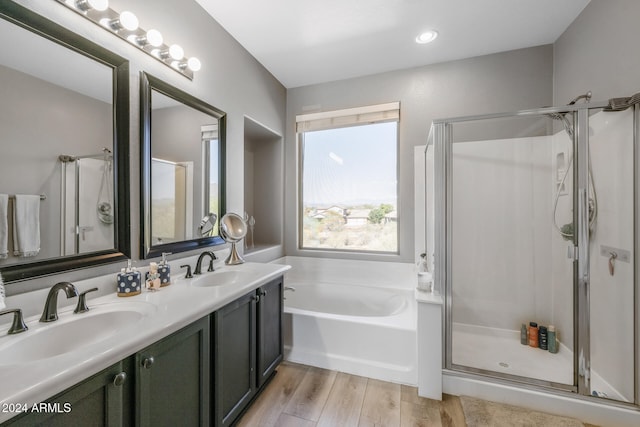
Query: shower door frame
(579, 251)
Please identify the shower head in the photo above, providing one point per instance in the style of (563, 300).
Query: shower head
(586, 96)
(562, 116)
(65, 158)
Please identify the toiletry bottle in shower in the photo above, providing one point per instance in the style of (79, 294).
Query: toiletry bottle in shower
(553, 343)
(524, 337)
(542, 337)
(533, 334)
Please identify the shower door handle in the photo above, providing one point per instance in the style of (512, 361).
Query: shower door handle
(583, 236)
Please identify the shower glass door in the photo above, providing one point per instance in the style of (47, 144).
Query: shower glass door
(536, 224)
(611, 263)
(511, 223)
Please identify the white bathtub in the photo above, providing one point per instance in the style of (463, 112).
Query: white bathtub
(333, 321)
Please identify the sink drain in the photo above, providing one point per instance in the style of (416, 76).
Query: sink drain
(503, 364)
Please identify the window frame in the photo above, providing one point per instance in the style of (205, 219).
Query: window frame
(336, 115)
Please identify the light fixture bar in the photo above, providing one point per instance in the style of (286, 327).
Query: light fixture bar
(125, 26)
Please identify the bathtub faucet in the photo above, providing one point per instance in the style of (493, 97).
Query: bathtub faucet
(289, 288)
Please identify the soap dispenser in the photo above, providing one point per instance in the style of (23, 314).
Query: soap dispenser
(164, 270)
(129, 281)
(425, 279)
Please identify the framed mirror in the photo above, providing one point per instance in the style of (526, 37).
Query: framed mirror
(64, 169)
(183, 170)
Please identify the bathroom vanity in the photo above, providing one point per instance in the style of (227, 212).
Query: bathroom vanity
(198, 357)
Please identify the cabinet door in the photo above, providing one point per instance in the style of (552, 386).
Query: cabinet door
(270, 344)
(172, 381)
(234, 358)
(101, 400)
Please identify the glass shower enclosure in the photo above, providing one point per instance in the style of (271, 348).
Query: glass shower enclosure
(535, 219)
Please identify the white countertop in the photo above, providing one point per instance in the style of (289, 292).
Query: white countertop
(174, 307)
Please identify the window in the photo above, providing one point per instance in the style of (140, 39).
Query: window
(211, 180)
(349, 176)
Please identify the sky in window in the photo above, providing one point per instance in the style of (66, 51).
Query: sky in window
(351, 166)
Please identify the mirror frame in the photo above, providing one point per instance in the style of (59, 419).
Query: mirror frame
(148, 83)
(43, 27)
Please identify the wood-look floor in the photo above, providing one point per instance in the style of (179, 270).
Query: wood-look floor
(304, 396)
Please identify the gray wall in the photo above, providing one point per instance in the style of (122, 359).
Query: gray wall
(494, 83)
(230, 79)
(598, 52)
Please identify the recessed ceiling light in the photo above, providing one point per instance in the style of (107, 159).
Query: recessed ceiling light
(427, 37)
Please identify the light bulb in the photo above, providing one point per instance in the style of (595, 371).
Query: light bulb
(129, 21)
(154, 38)
(126, 21)
(176, 52)
(427, 37)
(194, 64)
(98, 5)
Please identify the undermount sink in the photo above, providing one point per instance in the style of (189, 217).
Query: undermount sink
(218, 278)
(71, 332)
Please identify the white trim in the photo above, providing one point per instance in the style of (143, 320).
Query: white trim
(348, 117)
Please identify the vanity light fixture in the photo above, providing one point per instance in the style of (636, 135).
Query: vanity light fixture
(152, 38)
(85, 5)
(126, 21)
(427, 37)
(192, 63)
(176, 52)
(126, 26)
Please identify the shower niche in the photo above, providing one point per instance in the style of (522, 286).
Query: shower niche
(524, 204)
(263, 190)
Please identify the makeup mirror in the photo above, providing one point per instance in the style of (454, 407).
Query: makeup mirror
(233, 229)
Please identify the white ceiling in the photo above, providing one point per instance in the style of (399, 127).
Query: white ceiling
(303, 42)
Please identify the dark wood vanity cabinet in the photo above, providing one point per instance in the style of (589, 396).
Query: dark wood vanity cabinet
(248, 347)
(104, 399)
(234, 356)
(269, 329)
(204, 374)
(172, 379)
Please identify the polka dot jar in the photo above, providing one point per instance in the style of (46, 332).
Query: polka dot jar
(129, 283)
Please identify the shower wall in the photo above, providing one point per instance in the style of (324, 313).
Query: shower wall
(501, 232)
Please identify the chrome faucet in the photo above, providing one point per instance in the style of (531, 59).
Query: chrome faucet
(198, 269)
(50, 312)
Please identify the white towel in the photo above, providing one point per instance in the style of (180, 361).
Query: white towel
(4, 228)
(26, 225)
